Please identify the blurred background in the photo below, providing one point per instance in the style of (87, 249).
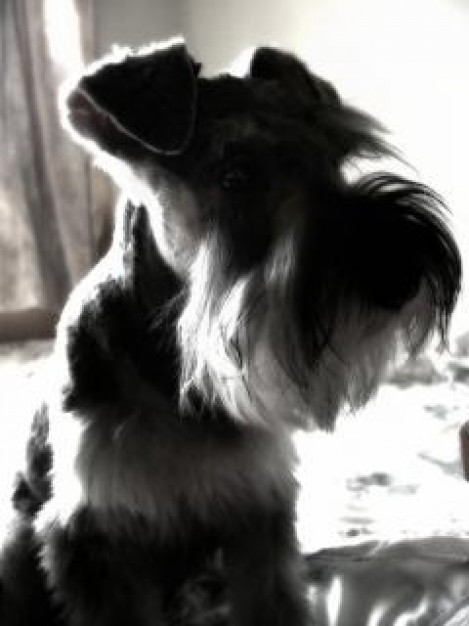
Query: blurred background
(406, 61)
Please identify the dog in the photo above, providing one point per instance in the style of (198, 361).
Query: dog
(252, 288)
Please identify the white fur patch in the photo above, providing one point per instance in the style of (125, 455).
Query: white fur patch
(175, 231)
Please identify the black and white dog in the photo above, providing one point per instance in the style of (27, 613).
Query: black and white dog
(251, 288)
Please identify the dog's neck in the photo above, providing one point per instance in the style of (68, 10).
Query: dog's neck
(153, 284)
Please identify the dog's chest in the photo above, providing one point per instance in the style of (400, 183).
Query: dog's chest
(146, 467)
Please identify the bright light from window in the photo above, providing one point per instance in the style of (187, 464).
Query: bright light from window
(334, 600)
(64, 35)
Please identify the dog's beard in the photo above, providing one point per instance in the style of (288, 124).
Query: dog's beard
(243, 348)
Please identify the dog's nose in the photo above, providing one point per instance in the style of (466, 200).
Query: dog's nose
(79, 107)
(84, 115)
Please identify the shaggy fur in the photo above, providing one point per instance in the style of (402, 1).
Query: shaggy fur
(250, 289)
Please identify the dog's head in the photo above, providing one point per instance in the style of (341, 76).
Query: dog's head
(299, 285)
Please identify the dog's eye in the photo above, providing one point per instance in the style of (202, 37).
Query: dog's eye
(236, 178)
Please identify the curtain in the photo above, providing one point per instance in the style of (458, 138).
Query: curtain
(47, 192)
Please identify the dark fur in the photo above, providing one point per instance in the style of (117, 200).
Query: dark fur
(270, 258)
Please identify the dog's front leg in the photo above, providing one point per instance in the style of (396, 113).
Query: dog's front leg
(265, 572)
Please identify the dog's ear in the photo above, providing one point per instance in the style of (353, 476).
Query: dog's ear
(150, 97)
(395, 246)
(345, 131)
(272, 64)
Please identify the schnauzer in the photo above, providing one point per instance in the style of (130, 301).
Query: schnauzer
(252, 287)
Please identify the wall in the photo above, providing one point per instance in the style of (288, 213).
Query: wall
(135, 22)
(217, 31)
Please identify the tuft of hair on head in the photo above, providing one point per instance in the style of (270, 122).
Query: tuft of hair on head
(404, 249)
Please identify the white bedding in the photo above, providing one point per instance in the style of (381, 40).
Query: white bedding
(415, 582)
(391, 472)
(386, 491)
